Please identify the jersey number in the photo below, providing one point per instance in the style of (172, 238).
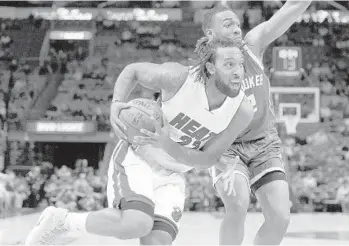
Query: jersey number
(186, 140)
(252, 100)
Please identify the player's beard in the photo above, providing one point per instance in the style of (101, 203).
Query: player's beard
(226, 89)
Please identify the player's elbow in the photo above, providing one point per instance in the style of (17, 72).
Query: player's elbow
(129, 73)
(131, 68)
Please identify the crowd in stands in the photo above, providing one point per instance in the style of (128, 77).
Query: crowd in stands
(20, 73)
(318, 163)
(83, 189)
(317, 182)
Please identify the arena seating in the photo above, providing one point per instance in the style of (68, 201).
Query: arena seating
(318, 163)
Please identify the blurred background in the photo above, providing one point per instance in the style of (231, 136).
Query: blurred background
(58, 64)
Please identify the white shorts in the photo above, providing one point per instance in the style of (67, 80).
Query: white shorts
(132, 184)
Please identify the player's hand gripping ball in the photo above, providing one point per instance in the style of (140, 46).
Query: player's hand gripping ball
(117, 124)
(158, 138)
(141, 118)
(156, 132)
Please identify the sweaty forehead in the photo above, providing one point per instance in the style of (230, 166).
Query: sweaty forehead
(229, 53)
(226, 15)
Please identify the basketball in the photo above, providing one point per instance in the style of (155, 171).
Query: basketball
(138, 117)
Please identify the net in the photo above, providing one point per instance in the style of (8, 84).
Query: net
(291, 122)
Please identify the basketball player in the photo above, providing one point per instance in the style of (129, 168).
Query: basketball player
(260, 169)
(204, 107)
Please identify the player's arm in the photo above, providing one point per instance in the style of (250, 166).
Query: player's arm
(265, 33)
(166, 77)
(214, 149)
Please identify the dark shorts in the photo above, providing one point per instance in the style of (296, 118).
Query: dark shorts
(260, 161)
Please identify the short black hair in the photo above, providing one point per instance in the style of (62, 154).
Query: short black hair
(207, 20)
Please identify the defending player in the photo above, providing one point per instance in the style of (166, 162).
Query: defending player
(143, 203)
(261, 168)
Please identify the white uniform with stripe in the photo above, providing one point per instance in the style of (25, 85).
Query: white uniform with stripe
(192, 124)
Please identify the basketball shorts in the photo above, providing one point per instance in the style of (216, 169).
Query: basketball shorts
(260, 161)
(132, 184)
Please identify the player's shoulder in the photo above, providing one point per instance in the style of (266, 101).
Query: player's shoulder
(176, 70)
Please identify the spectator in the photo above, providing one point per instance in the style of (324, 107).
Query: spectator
(343, 195)
(5, 41)
(80, 54)
(45, 68)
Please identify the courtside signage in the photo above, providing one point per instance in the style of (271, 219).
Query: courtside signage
(112, 14)
(61, 127)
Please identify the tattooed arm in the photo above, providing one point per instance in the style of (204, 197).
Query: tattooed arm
(166, 77)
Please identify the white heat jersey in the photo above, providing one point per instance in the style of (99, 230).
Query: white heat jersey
(191, 122)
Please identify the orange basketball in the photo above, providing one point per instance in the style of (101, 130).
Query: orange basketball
(138, 117)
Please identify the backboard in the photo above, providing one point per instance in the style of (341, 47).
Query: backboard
(287, 61)
(298, 101)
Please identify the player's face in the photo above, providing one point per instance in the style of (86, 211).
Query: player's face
(229, 70)
(226, 25)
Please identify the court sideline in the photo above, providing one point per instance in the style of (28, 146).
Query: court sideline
(203, 229)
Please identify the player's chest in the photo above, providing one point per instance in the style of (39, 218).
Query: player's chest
(194, 119)
(190, 112)
(192, 126)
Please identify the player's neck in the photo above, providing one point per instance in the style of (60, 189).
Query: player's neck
(215, 97)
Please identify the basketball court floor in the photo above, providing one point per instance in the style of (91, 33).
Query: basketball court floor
(202, 229)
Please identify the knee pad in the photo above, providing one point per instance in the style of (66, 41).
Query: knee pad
(139, 223)
(132, 223)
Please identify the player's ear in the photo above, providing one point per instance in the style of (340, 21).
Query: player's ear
(210, 68)
(209, 33)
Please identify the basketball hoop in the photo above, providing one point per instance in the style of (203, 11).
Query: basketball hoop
(291, 122)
